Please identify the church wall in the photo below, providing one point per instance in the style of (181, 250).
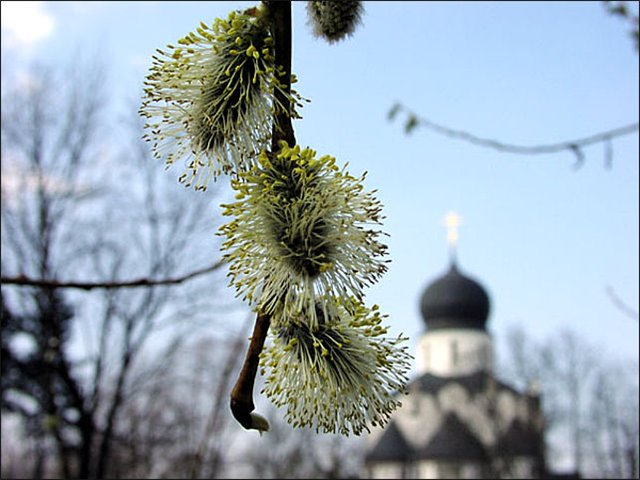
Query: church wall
(387, 470)
(521, 467)
(450, 469)
(450, 352)
(426, 469)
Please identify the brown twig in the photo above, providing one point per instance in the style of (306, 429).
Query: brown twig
(242, 404)
(25, 281)
(242, 393)
(281, 31)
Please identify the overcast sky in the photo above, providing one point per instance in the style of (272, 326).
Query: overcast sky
(545, 239)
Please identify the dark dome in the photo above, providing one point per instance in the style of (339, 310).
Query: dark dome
(455, 301)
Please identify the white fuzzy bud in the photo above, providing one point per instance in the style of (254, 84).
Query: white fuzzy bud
(258, 422)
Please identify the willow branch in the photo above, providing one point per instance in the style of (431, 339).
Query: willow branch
(242, 404)
(242, 394)
(574, 146)
(25, 281)
(281, 31)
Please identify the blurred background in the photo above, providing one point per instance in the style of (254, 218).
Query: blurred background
(134, 382)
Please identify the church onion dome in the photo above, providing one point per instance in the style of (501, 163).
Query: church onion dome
(455, 301)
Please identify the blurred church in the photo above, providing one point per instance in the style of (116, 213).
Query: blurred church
(458, 419)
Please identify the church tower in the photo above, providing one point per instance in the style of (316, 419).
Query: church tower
(458, 419)
(454, 308)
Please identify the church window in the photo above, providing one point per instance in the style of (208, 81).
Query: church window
(449, 470)
(454, 353)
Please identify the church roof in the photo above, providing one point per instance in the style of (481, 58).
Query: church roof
(473, 383)
(391, 446)
(454, 441)
(454, 300)
(520, 439)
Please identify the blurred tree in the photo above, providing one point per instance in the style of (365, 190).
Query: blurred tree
(589, 403)
(41, 136)
(302, 453)
(611, 435)
(86, 201)
(44, 376)
(177, 426)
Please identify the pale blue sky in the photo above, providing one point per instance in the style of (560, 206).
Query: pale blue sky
(544, 239)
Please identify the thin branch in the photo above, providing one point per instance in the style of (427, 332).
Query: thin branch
(623, 307)
(241, 403)
(281, 31)
(25, 281)
(574, 146)
(619, 8)
(242, 394)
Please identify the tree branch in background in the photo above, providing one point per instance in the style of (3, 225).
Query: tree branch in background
(574, 146)
(622, 306)
(205, 455)
(621, 9)
(24, 281)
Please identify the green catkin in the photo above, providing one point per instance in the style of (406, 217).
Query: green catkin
(210, 100)
(344, 360)
(302, 229)
(334, 20)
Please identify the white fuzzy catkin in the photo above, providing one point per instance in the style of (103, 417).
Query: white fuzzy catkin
(334, 20)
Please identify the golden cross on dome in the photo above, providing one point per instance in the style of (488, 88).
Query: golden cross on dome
(452, 221)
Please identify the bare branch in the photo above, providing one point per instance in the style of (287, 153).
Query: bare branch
(242, 394)
(25, 281)
(214, 420)
(620, 9)
(623, 307)
(241, 403)
(281, 30)
(574, 146)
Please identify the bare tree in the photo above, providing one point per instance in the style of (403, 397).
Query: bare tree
(588, 401)
(176, 424)
(45, 140)
(301, 453)
(612, 434)
(87, 202)
(530, 363)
